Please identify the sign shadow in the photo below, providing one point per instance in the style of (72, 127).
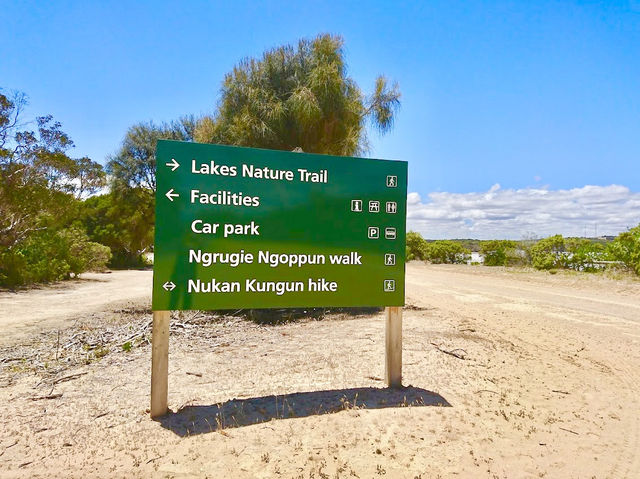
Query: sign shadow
(195, 420)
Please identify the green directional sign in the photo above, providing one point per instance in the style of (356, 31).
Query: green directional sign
(251, 228)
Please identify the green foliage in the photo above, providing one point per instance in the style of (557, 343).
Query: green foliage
(548, 253)
(580, 254)
(584, 254)
(626, 248)
(500, 252)
(134, 166)
(416, 246)
(124, 221)
(299, 97)
(81, 254)
(43, 258)
(40, 187)
(446, 251)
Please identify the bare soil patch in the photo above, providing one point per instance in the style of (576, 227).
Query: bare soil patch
(26, 313)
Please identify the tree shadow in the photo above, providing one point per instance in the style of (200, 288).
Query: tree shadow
(194, 420)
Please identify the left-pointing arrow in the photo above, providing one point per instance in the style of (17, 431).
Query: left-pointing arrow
(171, 195)
(169, 286)
(173, 164)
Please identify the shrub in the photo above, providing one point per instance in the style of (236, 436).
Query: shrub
(445, 251)
(583, 254)
(13, 264)
(416, 246)
(38, 259)
(46, 256)
(81, 254)
(626, 248)
(500, 253)
(548, 253)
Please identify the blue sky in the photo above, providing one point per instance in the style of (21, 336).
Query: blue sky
(498, 98)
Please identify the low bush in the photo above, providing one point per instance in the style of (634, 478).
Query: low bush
(445, 251)
(500, 253)
(416, 246)
(584, 255)
(45, 257)
(548, 253)
(626, 248)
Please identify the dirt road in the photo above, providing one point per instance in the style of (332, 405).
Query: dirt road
(512, 373)
(25, 313)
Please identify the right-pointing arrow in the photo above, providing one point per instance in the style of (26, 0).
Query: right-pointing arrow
(173, 164)
(169, 286)
(171, 195)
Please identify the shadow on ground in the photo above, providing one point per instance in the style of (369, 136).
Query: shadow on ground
(193, 420)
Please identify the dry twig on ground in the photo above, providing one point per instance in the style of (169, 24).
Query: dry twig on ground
(454, 352)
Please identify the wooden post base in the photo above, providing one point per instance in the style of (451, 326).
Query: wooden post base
(160, 363)
(393, 347)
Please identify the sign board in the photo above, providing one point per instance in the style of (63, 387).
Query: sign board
(250, 228)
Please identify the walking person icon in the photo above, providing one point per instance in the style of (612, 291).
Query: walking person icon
(389, 285)
(389, 259)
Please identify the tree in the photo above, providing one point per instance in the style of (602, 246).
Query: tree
(37, 177)
(39, 183)
(90, 177)
(134, 166)
(299, 97)
(123, 220)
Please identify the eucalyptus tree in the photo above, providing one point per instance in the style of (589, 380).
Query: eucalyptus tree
(38, 178)
(40, 185)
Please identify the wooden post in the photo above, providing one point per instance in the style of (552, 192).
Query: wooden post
(393, 347)
(160, 363)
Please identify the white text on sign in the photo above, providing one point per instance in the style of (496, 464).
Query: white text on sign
(252, 285)
(262, 173)
(274, 260)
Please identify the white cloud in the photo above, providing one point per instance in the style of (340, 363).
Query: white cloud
(513, 214)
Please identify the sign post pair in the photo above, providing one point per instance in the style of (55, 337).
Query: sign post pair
(250, 228)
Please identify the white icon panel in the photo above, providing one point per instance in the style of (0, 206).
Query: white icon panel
(391, 207)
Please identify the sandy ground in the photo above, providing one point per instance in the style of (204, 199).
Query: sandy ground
(25, 313)
(546, 384)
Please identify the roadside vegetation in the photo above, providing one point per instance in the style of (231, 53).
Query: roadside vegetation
(552, 253)
(61, 216)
